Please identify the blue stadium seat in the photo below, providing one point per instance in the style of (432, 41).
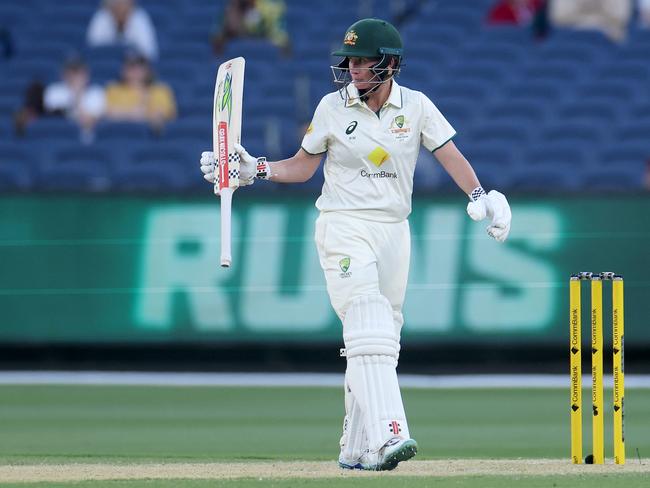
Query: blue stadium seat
(71, 33)
(56, 128)
(508, 55)
(586, 111)
(157, 167)
(9, 104)
(615, 179)
(126, 132)
(253, 50)
(505, 34)
(508, 134)
(75, 167)
(36, 50)
(470, 90)
(113, 53)
(611, 91)
(553, 70)
(534, 91)
(458, 111)
(43, 70)
(493, 162)
(485, 71)
(578, 133)
(184, 51)
(625, 72)
(566, 157)
(640, 112)
(620, 154)
(633, 132)
(189, 128)
(546, 179)
(516, 111)
(15, 167)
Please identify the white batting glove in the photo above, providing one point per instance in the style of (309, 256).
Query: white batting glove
(209, 166)
(251, 167)
(494, 206)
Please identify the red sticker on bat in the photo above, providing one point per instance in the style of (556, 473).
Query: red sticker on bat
(222, 133)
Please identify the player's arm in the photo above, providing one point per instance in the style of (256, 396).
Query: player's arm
(296, 169)
(457, 167)
(492, 205)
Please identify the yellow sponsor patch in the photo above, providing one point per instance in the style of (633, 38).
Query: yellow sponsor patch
(310, 129)
(378, 156)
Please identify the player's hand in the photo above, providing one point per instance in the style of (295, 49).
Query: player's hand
(210, 169)
(251, 167)
(494, 206)
(209, 166)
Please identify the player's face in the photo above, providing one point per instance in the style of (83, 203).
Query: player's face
(360, 72)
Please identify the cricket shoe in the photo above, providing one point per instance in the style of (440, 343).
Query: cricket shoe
(394, 452)
(389, 456)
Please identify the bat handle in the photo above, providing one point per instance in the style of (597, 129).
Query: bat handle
(226, 206)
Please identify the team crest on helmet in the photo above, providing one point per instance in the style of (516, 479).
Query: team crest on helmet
(350, 38)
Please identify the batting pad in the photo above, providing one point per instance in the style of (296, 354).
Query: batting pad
(372, 346)
(354, 440)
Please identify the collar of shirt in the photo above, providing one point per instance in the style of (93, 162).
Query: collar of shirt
(395, 97)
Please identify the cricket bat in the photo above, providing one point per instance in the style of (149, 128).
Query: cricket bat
(226, 131)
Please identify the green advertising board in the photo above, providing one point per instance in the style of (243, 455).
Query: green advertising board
(86, 269)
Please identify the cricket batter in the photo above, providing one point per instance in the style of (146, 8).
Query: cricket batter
(370, 132)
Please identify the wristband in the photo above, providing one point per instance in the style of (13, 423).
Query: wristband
(477, 193)
(263, 171)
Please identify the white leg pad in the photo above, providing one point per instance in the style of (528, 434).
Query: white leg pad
(354, 440)
(372, 346)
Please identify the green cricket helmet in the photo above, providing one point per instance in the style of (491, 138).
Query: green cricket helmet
(373, 39)
(370, 38)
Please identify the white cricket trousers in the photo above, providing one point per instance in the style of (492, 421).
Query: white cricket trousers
(366, 267)
(363, 257)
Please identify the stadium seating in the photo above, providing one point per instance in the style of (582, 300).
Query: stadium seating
(526, 110)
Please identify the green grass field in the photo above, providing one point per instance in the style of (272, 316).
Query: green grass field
(119, 426)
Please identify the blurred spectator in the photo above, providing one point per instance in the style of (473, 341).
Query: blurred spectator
(611, 17)
(644, 13)
(75, 98)
(519, 12)
(122, 22)
(6, 43)
(32, 107)
(253, 18)
(138, 97)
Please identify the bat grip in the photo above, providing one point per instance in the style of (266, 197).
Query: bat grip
(226, 206)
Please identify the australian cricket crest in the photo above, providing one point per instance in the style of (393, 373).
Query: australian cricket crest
(350, 38)
(400, 127)
(344, 264)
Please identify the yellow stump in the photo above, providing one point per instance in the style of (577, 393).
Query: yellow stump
(618, 368)
(597, 369)
(575, 343)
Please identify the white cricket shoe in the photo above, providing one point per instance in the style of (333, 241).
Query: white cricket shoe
(387, 458)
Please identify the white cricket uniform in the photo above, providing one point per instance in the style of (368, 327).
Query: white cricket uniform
(363, 241)
(362, 234)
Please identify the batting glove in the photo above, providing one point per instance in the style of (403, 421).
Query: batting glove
(252, 167)
(494, 206)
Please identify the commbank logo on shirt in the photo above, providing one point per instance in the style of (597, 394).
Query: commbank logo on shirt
(378, 156)
(378, 174)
